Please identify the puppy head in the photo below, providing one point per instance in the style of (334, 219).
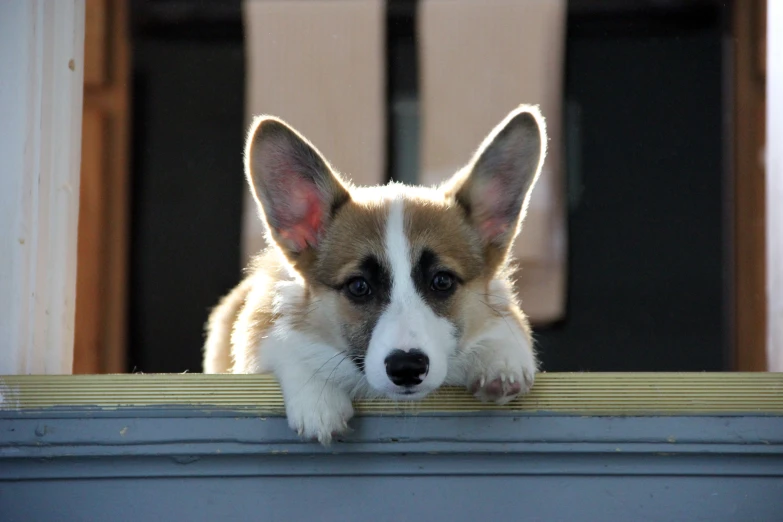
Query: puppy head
(395, 275)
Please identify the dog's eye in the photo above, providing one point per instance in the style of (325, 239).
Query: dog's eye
(442, 282)
(358, 287)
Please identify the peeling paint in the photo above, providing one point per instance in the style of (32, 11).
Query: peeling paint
(185, 459)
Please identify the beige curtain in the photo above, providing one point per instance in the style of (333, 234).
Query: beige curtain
(320, 65)
(479, 60)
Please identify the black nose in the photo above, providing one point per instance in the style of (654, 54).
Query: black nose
(407, 368)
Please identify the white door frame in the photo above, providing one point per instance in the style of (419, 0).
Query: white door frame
(41, 87)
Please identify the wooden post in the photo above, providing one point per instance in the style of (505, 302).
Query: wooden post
(749, 234)
(101, 277)
(41, 83)
(774, 157)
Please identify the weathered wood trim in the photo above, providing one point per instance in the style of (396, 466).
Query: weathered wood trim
(218, 432)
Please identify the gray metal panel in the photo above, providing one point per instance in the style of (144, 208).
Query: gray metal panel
(429, 498)
(190, 464)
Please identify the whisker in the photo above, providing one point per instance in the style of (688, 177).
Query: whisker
(316, 372)
(311, 307)
(494, 310)
(326, 382)
(505, 320)
(485, 294)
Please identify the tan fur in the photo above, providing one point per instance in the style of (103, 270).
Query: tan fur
(217, 349)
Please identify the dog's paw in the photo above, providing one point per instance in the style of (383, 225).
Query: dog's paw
(500, 374)
(320, 416)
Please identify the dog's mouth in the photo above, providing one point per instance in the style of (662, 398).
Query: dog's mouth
(408, 394)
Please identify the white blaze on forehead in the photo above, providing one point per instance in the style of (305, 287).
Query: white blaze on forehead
(398, 252)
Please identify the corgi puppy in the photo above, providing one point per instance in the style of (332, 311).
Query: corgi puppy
(389, 291)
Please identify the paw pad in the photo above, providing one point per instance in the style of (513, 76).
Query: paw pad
(500, 389)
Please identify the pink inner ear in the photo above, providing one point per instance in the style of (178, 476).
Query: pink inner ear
(493, 228)
(490, 201)
(299, 213)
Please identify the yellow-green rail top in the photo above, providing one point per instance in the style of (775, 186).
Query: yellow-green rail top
(568, 393)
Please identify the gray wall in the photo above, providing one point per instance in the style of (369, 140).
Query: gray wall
(173, 464)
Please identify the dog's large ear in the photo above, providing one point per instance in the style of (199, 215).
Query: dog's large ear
(294, 186)
(495, 187)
